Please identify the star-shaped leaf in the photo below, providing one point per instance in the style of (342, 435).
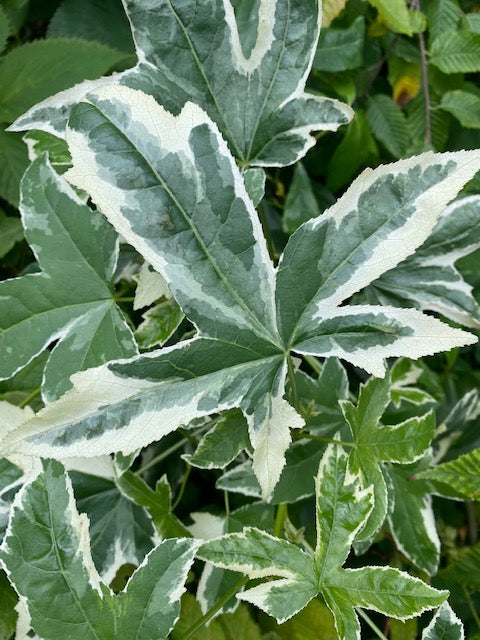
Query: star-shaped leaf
(375, 443)
(46, 553)
(429, 279)
(70, 300)
(170, 186)
(342, 510)
(250, 81)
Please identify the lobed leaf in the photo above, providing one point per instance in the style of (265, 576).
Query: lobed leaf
(462, 474)
(267, 118)
(47, 551)
(39, 308)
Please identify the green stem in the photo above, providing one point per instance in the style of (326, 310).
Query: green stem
(371, 624)
(129, 299)
(280, 519)
(161, 456)
(311, 436)
(227, 503)
(471, 606)
(216, 607)
(293, 383)
(30, 397)
(314, 363)
(182, 488)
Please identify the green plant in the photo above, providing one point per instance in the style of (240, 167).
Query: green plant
(174, 153)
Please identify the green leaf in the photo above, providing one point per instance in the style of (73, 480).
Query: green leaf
(443, 16)
(189, 614)
(91, 20)
(157, 502)
(312, 623)
(262, 111)
(429, 279)
(222, 443)
(11, 232)
(330, 10)
(464, 106)
(341, 49)
(40, 142)
(411, 518)
(47, 550)
(376, 443)
(473, 22)
(120, 531)
(255, 184)
(404, 375)
(444, 625)
(300, 203)
(388, 124)
(89, 326)
(465, 569)
(342, 510)
(8, 615)
(13, 162)
(395, 14)
(159, 324)
(36, 70)
(462, 474)
(456, 52)
(319, 399)
(357, 149)
(4, 29)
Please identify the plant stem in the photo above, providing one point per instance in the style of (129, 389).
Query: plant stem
(471, 605)
(293, 384)
(313, 362)
(311, 436)
(211, 612)
(227, 503)
(371, 624)
(280, 519)
(128, 299)
(182, 488)
(161, 456)
(426, 90)
(29, 398)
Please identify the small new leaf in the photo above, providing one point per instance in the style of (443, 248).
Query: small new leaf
(342, 510)
(376, 443)
(47, 551)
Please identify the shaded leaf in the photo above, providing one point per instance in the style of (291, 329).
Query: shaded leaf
(159, 324)
(11, 231)
(341, 49)
(36, 70)
(464, 106)
(84, 319)
(462, 474)
(13, 163)
(300, 203)
(388, 124)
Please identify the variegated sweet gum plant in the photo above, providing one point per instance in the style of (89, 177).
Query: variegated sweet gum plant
(170, 156)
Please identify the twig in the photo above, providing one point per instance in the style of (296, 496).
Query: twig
(426, 91)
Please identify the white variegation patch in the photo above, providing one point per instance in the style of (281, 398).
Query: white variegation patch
(206, 526)
(261, 596)
(151, 286)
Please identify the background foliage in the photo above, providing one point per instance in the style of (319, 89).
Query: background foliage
(410, 72)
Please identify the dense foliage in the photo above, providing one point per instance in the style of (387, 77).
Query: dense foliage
(239, 379)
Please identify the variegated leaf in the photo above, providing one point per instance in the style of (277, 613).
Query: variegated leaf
(70, 301)
(445, 625)
(462, 474)
(428, 279)
(47, 551)
(383, 217)
(411, 518)
(375, 443)
(171, 188)
(262, 111)
(342, 510)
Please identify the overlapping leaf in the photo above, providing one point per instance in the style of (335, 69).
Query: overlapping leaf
(46, 553)
(342, 510)
(256, 97)
(171, 188)
(375, 443)
(428, 279)
(462, 474)
(444, 625)
(70, 300)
